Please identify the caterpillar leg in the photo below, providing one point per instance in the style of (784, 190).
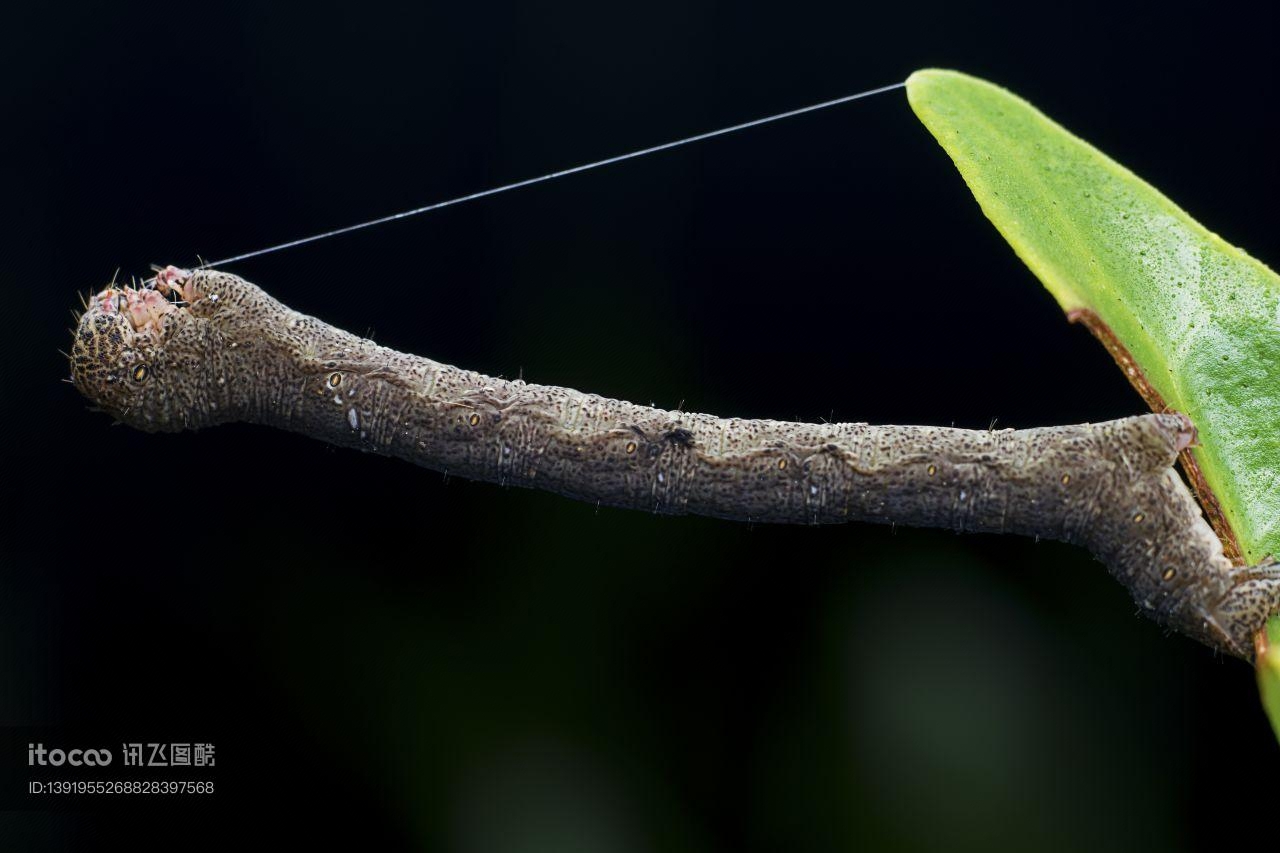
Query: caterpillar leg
(1252, 597)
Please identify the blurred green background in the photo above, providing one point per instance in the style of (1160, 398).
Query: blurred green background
(387, 659)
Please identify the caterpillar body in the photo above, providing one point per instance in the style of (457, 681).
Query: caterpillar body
(207, 347)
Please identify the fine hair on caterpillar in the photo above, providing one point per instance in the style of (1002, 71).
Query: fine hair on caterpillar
(192, 349)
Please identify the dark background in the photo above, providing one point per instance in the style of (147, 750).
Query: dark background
(382, 657)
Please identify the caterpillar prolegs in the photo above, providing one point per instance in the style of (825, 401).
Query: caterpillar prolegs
(207, 347)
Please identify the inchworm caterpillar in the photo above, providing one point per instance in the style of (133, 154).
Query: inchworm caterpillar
(207, 347)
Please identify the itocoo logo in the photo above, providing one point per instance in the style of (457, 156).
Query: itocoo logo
(37, 754)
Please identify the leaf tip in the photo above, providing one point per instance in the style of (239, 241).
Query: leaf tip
(926, 81)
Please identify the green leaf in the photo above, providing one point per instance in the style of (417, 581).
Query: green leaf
(1269, 674)
(1198, 319)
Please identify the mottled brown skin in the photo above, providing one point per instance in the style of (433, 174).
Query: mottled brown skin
(230, 352)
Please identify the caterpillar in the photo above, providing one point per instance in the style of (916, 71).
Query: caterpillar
(193, 349)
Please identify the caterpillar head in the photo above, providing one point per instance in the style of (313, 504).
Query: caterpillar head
(120, 355)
